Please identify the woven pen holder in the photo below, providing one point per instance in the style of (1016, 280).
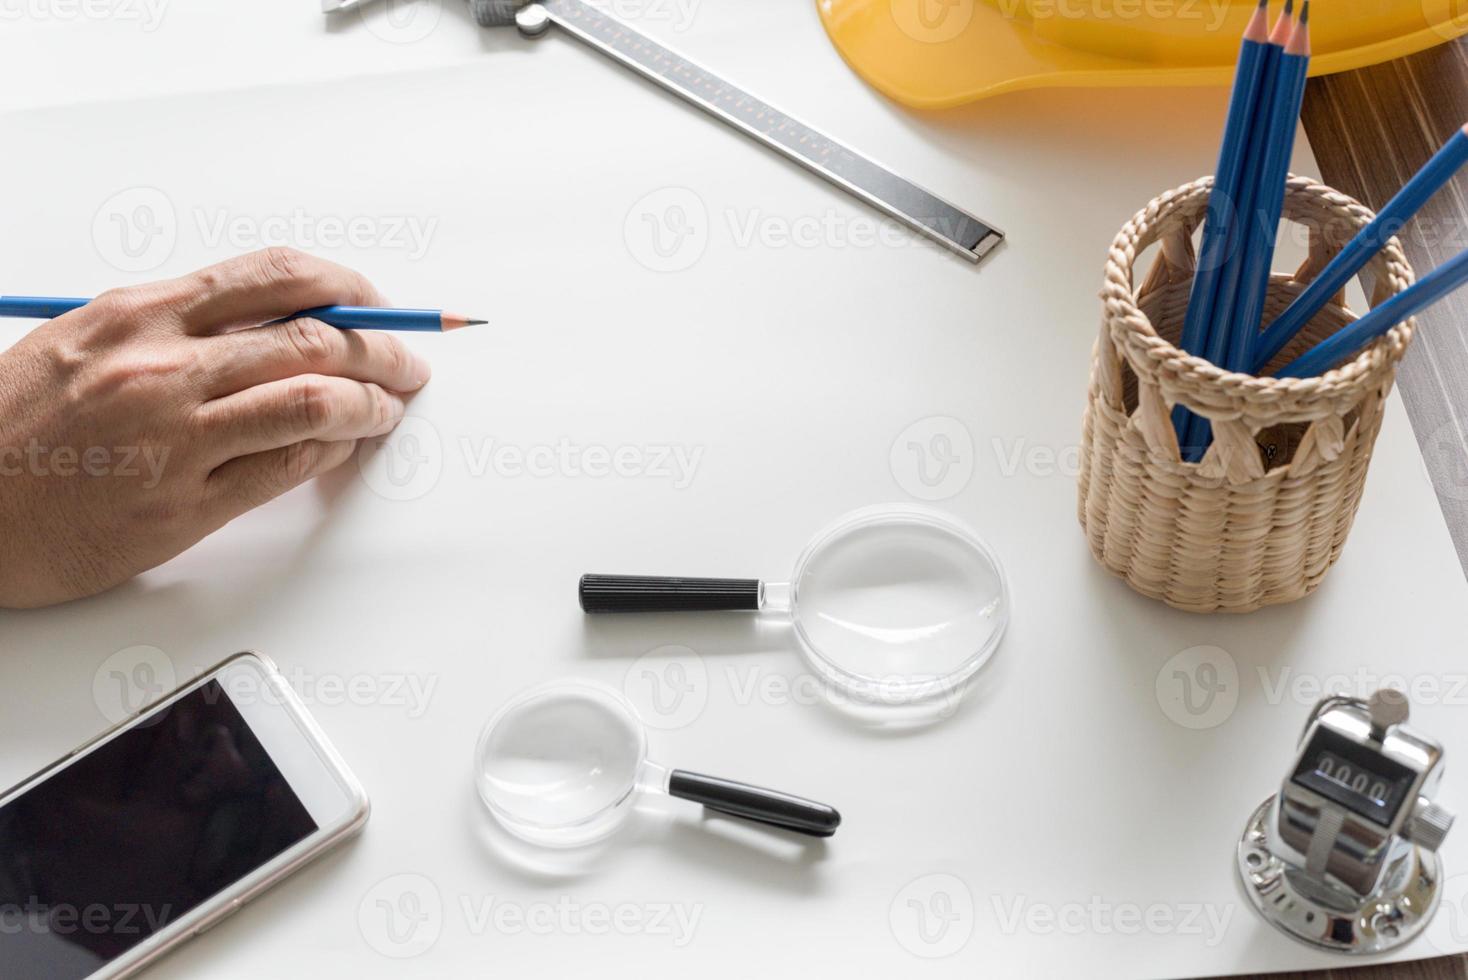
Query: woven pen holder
(1265, 513)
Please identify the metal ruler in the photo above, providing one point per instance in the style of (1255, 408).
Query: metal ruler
(944, 223)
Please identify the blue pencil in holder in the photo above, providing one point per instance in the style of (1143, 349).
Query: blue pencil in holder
(1263, 223)
(1223, 201)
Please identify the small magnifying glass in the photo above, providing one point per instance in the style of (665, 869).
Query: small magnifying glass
(562, 765)
(893, 604)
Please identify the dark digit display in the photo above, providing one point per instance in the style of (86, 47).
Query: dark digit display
(1358, 778)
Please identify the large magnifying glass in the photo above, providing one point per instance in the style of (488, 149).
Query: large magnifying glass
(893, 604)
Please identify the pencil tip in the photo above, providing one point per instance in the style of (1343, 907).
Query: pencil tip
(1280, 35)
(1258, 27)
(455, 321)
(1299, 43)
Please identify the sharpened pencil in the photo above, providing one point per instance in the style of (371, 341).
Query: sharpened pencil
(341, 317)
(1353, 257)
(1432, 287)
(1263, 221)
(1220, 314)
(1223, 199)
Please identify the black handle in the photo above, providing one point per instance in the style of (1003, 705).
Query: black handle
(752, 803)
(654, 593)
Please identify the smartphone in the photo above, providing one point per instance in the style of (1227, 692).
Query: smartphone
(156, 830)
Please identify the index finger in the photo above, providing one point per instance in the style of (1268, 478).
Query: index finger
(267, 285)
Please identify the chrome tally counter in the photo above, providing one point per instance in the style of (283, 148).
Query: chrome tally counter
(1344, 857)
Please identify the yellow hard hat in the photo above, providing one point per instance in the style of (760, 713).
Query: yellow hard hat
(938, 53)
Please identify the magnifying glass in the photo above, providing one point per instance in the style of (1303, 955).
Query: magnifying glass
(562, 765)
(891, 604)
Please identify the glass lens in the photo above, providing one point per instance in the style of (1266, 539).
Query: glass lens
(904, 600)
(559, 759)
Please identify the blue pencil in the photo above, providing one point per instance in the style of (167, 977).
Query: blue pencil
(1223, 199)
(1359, 250)
(1379, 319)
(1215, 344)
(1263, 222)
(342, 317)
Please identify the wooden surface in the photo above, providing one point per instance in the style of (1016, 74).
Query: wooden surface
(1442, 968)
(1371, 130)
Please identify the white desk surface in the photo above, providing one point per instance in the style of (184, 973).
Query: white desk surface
(1074, 824)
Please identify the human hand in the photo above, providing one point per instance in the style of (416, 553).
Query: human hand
(139, 424)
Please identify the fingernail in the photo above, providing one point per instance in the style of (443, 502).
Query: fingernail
(421, 371)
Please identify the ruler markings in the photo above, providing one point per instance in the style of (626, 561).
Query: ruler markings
(941, 221)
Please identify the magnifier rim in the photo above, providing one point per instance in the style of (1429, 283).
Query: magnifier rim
(863, 685)
(541, 833)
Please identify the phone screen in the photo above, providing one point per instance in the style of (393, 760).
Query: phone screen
(133, 835)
